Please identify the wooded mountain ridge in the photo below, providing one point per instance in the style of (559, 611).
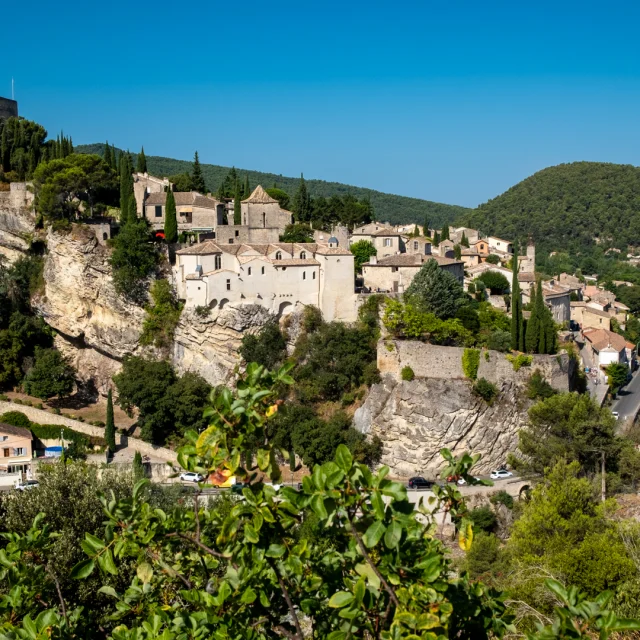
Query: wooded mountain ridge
(388, 207)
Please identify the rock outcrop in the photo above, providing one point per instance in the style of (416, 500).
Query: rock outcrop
(416, 419)
(96, 327)
(17, 221)
(209, 344)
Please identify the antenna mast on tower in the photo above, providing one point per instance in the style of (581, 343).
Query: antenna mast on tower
(13, 97)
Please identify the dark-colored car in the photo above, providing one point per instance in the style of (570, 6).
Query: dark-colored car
(238, 487)
(418, 482)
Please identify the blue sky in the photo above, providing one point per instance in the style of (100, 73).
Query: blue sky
(449, 101)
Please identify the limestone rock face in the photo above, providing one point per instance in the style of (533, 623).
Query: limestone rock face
(96, 327)
(416, 419)
(209, 345)
(17, 221)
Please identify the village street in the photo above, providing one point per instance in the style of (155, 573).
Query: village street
(627, 404)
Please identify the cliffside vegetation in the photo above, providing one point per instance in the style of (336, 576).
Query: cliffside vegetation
(570, 208)
(392, 208)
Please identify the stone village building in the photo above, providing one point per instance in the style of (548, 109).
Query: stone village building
(278, 276)
(16, 449)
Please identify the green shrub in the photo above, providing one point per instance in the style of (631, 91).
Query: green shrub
(538, 387)
(483, 518)
(347, 399)
(502, 497)
(4, 397)
(499, 340)
(16, 419)
(485, 390)
(203, 311)
(483, 555)
(470, 363)
(521, 360)
(407, 374)
(487, 357)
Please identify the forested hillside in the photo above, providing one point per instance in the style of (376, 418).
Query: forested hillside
(388, 207)
(569, 207)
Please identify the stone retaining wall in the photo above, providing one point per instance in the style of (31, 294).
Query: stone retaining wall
(445, 363)
(44, 417)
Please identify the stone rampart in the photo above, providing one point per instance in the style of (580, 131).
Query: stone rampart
(44, 417)
(445, 363)
(8, 108)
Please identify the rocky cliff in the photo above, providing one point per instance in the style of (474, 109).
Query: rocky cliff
(17, 221)
(96, 328)
(209, 345)
(438, 408)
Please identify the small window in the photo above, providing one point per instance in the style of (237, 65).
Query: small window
(416, 244)
(394, 269)
(262, 270)
(19, 451)
(304, 275)
(303, 255)
(6, 452)
(228, 285)
(387, 242)
(249, 271)
(3, 438)
(279, 255)
(230, 240)
(314, 275)
(218, 262)
(237, 233)
(158, 211)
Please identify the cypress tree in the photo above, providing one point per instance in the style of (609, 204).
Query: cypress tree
(110, 428)
(436, 239)
(107, 153)
(533, 326)
(170, 220)
(237, 207)
(425, 227)
(247, 189)
(517, 322)
(142, 162)
(464, 241)
(127, 199)
(197, 179)
(114, 158)
(302, 202)
(444, 235)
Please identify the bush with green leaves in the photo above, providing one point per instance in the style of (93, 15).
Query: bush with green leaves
(486, 390)
(162, 316)
(520, 360)
(538, 387)
(242, 569)
(268, 347)
(483, 518)
(407, 374)
(471, 363)
(495, 281)
(502, 497)
(51, 375)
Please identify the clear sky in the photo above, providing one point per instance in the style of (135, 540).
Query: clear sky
(451, 101)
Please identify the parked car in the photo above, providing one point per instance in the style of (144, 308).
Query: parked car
(191, 476)
(461, 481)
(500, 474)
(237, 487)
(27, 484)
(616, 415)
(418, 482)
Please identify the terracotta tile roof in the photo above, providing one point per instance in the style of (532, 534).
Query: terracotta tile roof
(204, 202)
(260, 196)
(469, 252)
(601, 339)
(595, 312)
(577, 304)
(295, 262)
(182, 198)
(526, 277)
(411, 260)
(332, 251)
(200, 249)
(9, 429)
(386, 233)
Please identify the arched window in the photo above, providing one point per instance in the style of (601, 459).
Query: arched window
(303, 255)
(218, 262)
(279, 255)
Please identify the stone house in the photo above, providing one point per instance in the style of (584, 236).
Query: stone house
(608, 347)
(445, 248)
(472, 235)
(371, 227)
(194, 212)
(261, 211)
(144, 185)
(395, 273)
(481, 247)
(277, 276)
(16, 448)
(386, 241)
(498, 245)
(589, 317)
(470, 257)
(418, 244)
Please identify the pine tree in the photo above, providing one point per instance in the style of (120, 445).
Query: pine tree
(197, 179)
(110, 428)
(142, 162)
(445, 233)
(170, 219)
(302, 202)
(464, 241)
(517, 322)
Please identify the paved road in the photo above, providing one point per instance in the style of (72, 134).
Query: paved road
(627, 404)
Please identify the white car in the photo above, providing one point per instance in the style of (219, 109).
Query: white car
(500, 474)
(191, 476)
(615, 414)
(27, 484)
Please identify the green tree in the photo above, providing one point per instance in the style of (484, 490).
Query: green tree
(494, 281)
(141, 166)
(246, 191)
(162, 316)
(302, 202)
(170, 219)
(362, 251)
(281, 196)
(297, 232)
(50, 376)
(464, 241)
(444, 234)
(182, 182)
(457, 251)
(436, 238)
(492, 258)
(133, 259)
(197, 178)
(268, 348)
(436, 290)
(617, 375)
(126, 188)
(110, 426)
(138, 467)
(534, 324)
(425, 227)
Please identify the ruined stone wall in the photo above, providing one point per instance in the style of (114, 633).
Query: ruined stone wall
(8, 108)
